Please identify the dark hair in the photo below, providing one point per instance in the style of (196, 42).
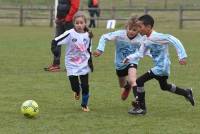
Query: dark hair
(147, 20)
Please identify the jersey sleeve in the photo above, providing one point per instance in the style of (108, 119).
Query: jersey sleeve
(143, 50)
(178, 46)
(169, 39)
(108, 37)
(63, 38)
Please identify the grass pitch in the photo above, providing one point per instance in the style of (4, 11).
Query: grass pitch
(24, 51)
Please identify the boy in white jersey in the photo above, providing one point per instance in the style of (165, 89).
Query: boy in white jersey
(126, 43)
(157, 43)
(78, 57)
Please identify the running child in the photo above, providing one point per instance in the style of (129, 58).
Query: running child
(78, 60)
(157, 43)
(126, 43)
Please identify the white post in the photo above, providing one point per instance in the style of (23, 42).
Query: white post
(55, 8)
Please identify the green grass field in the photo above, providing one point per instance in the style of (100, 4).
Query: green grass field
(24, 51)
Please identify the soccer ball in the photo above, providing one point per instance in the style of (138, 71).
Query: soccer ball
(29, 108)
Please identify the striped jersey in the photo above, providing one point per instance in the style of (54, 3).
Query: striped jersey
(158, 43)
(77, 54)
(123, 46)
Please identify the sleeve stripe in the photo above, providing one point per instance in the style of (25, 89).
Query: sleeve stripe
(59, 38)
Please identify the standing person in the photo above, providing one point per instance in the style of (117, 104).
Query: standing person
(126, 43)
(78, 57)
(157, 43)
(65, 12)
(93, 6)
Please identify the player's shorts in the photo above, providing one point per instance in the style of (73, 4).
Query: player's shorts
(124, 72)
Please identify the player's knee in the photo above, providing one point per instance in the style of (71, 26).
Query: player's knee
(132, 83)
(165, 87)
(139, 83)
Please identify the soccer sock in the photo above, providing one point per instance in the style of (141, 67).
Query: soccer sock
(85, 98)
(178, 90)
(141, 97)
(134, 91)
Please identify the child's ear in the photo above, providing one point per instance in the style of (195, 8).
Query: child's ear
(149, 27)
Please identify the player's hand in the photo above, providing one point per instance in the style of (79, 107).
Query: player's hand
(96, 53)
(183, 61)
(126, 60)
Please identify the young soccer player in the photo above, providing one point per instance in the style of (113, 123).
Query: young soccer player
(126, 43)
(78, 57)
(157, 43)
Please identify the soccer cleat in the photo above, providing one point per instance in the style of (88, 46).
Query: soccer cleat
(85, 109)
(137, 111)
(53, 68)
(125, 92)
(134, 104)
(76, 96)
(190, 97)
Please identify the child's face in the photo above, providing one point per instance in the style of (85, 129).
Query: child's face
(132, 31)
(79, 24)
(144, 30)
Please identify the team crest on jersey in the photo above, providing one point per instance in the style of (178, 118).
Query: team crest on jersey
(85, 41)
(74, 40)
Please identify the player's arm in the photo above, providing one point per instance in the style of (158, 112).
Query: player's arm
(179, 49)
(61, 39)
(143, 50)
(103, 40)
(164, 39)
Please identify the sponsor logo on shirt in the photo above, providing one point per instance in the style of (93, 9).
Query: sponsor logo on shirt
(74, 40)
(85, 41)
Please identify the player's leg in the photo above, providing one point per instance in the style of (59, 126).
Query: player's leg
(140, 106)
(74, 81)
(187, 93)
(124, 86)
(132, 76)
(123, 83)
(85, 92)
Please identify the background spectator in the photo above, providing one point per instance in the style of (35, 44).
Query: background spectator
(93, 6)
(64, 21)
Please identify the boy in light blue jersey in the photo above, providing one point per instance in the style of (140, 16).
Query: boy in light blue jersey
(126, 43)
(157, 43)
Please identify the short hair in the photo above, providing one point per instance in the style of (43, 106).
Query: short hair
(147, 20)
(131, 22)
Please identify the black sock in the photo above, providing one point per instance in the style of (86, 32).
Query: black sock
(141, 99)
(181, 91)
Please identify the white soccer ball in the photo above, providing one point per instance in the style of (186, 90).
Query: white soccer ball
(30, 108)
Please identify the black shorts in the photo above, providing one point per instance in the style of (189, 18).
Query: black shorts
(124, 72)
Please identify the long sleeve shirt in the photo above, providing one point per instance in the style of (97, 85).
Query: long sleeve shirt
(158, 43)
(77, 54)
(123, 46)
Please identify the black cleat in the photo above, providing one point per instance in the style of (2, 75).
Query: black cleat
(190, 97)
(137, 111)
